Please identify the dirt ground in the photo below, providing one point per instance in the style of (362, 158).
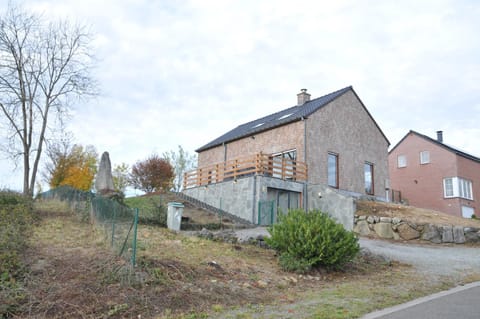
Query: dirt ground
(72, 274)
(413, 214)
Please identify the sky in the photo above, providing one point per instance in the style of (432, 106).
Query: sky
(185, 72)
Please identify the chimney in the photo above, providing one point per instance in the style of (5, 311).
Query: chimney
(440, 136)
(303, 97)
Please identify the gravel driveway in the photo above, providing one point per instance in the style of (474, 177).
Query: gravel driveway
(431, 259)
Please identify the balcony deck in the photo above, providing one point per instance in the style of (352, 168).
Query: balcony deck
(259, 164)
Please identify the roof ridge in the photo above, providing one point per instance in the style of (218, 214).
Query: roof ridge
(272, 120)
(453, 149)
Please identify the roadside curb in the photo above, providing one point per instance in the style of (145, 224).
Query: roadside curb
(387, 311)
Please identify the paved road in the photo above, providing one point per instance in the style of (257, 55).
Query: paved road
(461, 302)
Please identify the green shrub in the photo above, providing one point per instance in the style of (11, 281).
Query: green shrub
(16, 221)
(306, 240)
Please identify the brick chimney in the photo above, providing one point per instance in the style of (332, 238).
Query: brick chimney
(440, 136)
(303, 97)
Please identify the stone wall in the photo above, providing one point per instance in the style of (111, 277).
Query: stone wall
(397, 229)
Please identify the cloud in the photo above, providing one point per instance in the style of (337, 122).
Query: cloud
(186, 72)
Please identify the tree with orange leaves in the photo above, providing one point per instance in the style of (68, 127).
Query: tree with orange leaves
(73, 166)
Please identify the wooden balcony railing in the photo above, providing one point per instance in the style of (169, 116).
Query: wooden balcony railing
(259, 164)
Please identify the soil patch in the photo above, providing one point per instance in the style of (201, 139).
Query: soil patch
(412, 214)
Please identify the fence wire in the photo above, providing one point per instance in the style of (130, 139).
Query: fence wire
(117, 222)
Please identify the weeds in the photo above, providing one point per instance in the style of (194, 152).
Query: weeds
(16, 220)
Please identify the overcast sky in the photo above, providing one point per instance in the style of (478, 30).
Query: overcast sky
(184, 72)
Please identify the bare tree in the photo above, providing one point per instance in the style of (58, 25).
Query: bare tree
(181, 161)
(43, 67)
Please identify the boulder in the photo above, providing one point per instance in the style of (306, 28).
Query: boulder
(396, 236)
(371, 220)
(472, 237)
(447, 234)
(407, 232)
(458, 235)
(396, 220)
(362, 228)
(431, 233)
(384, 230)
(385, 220)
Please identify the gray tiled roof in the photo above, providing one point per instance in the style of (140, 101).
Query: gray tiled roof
(292, 114)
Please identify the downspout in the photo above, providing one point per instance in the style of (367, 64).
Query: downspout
(305, 186)
(224, 152)
(254, 198)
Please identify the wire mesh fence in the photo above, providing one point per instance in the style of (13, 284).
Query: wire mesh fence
(117, 222)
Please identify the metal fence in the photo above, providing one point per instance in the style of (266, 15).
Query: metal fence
(117, 222)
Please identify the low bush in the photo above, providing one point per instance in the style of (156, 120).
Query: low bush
(306, 240)
(16, 221)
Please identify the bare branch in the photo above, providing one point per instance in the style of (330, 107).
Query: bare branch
(41, 67)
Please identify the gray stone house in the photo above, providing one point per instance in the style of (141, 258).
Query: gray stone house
(320, 153)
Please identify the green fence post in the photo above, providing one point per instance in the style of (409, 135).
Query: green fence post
(113, 225)
(134, 244)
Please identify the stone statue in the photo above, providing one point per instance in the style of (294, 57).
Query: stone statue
(104, 180)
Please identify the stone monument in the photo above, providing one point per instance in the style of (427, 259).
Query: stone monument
(104, 180)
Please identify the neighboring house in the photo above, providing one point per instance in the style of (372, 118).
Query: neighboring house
(331, 140)
(430, 174)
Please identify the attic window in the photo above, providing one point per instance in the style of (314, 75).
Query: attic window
(258, 125)
(284, 116)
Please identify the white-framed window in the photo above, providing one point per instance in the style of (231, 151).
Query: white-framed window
(448, 187)
(457, 187)
(465, 188)
(401, 161)
(332, 170)
(368, 172)
(424, 157)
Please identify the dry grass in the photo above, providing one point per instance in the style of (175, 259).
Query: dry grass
(74, 275)
(413, 214)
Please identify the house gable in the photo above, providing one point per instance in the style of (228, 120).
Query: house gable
(346, 129)
(438, 143)
(422, 183)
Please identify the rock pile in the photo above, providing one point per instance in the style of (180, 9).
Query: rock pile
(229, 236)
(397, 229)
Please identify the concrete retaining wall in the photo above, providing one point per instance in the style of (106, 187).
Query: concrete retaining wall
(235, 197)
(341, 207)
(241, 197)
